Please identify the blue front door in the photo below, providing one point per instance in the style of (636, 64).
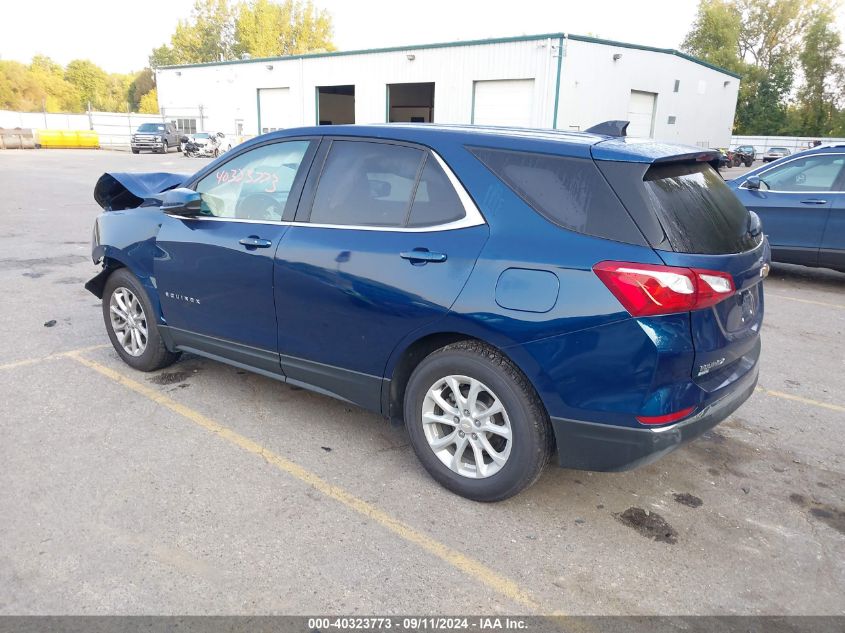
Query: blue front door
(213, 285)
(215, 272)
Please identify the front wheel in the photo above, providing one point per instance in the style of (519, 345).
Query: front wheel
(476, 423)
(130, 323)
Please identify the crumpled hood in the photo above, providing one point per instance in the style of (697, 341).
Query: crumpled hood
(120, 190)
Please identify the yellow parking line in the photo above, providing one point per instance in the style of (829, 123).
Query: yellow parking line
(469, 566)
(33, 361)
(810, 301)
(789, 396)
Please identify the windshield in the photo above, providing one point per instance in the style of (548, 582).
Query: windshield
(202, 135)
(151, 127)
(781, 150)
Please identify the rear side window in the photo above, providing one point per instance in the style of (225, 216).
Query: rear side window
(436, 201)
(366, 184)
(684, 207)
(571, 192)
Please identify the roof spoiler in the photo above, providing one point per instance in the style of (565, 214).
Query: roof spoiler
(610, 128)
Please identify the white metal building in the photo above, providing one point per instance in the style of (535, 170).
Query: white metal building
(558, 80)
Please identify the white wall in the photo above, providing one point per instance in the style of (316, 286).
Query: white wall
(228, 91)
(113, 128)
(595, 88)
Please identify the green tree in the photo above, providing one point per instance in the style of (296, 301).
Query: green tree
(715, 34)
(264, 28)
(91, 82)
(822, 89)
(762, 107)
(62, 96)
(19, 88)
(207, 36)
(149, 103)
(143, 83)
(164, 55)
(762, 40)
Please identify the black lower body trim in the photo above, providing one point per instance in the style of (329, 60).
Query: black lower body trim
(363, 390)
(605, 447)
(261, 361)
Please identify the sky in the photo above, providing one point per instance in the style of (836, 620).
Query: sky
(119, 35)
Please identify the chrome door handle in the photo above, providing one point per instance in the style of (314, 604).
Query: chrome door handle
(420, 256)
(255, 242)
(814, 201)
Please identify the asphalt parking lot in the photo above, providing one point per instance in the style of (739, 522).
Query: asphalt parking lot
(203, 489)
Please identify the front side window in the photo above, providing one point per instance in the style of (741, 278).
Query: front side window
(253, 185)
(379, 184)
(803, 175)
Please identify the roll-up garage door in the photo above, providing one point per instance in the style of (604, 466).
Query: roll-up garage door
(503, 102)
(641, 113)
(274, 109)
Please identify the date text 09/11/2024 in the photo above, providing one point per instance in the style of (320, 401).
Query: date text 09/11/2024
(418, 623)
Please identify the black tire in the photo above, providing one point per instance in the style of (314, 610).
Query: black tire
(136, 151)
(532, 438)
(155, 355)
(749, 162)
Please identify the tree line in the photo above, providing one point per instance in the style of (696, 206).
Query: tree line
(789, 56)
(217, 30)
(44, 85)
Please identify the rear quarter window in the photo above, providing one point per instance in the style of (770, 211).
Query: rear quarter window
(571, 192)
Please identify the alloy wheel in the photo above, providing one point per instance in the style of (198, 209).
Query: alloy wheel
(467, 426)
(128, 321)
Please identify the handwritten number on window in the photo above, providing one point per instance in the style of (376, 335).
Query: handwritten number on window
(248, 176)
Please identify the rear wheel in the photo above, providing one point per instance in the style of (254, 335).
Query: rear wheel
(476, 423)
(130, 323)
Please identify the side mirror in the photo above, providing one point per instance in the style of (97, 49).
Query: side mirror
(181, 201)
(753, 182)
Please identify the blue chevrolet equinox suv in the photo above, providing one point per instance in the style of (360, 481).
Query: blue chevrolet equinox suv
(508, 294)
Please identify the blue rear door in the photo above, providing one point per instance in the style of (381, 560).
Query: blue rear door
(382, 246)
(832, 251)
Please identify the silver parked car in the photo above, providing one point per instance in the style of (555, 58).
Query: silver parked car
(774, 153)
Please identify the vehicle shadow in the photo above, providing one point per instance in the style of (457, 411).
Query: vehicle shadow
(821, 278)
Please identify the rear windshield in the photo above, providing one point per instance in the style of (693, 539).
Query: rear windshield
(684, 207)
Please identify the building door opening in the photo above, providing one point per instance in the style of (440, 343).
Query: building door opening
(410, 103)
(641, 110)
(335, 105)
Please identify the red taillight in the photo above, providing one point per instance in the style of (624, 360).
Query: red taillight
(665, 419)
(648, 290)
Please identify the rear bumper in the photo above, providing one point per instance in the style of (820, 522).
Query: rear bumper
(605, 447)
